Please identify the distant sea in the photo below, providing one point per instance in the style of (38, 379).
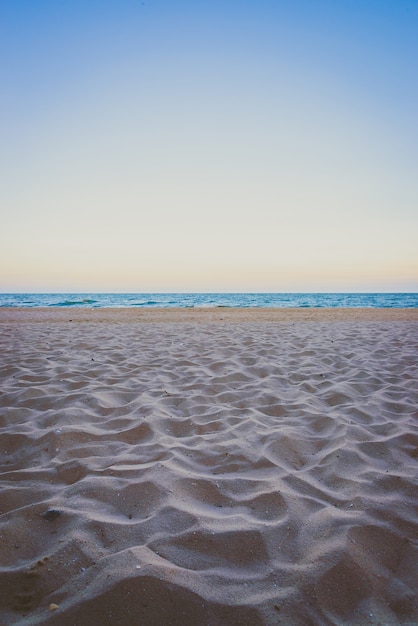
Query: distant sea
(184, 300)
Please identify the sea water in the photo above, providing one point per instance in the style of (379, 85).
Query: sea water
(183, 300)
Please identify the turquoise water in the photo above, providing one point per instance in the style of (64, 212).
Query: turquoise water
(97, 300)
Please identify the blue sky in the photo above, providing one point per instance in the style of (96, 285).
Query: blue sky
(198, 146)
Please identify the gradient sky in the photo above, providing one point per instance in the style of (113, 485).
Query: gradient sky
(209, 145)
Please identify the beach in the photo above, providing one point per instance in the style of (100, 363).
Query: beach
(208, 466)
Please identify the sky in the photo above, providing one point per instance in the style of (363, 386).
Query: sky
(208, 145)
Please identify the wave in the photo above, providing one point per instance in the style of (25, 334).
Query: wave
(83, 302)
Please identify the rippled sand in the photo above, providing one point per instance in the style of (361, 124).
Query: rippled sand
(208, 467)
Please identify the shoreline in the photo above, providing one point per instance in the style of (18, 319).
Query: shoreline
(204, 315)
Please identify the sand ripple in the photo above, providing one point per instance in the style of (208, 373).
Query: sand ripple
(208, 473)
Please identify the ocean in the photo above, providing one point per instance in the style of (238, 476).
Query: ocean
(183, 300)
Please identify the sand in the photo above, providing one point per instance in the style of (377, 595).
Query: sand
(208, 467)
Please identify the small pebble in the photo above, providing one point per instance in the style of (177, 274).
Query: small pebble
(51, 514)
(53, 607)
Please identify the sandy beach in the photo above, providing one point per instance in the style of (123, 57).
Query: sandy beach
(208, 467)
